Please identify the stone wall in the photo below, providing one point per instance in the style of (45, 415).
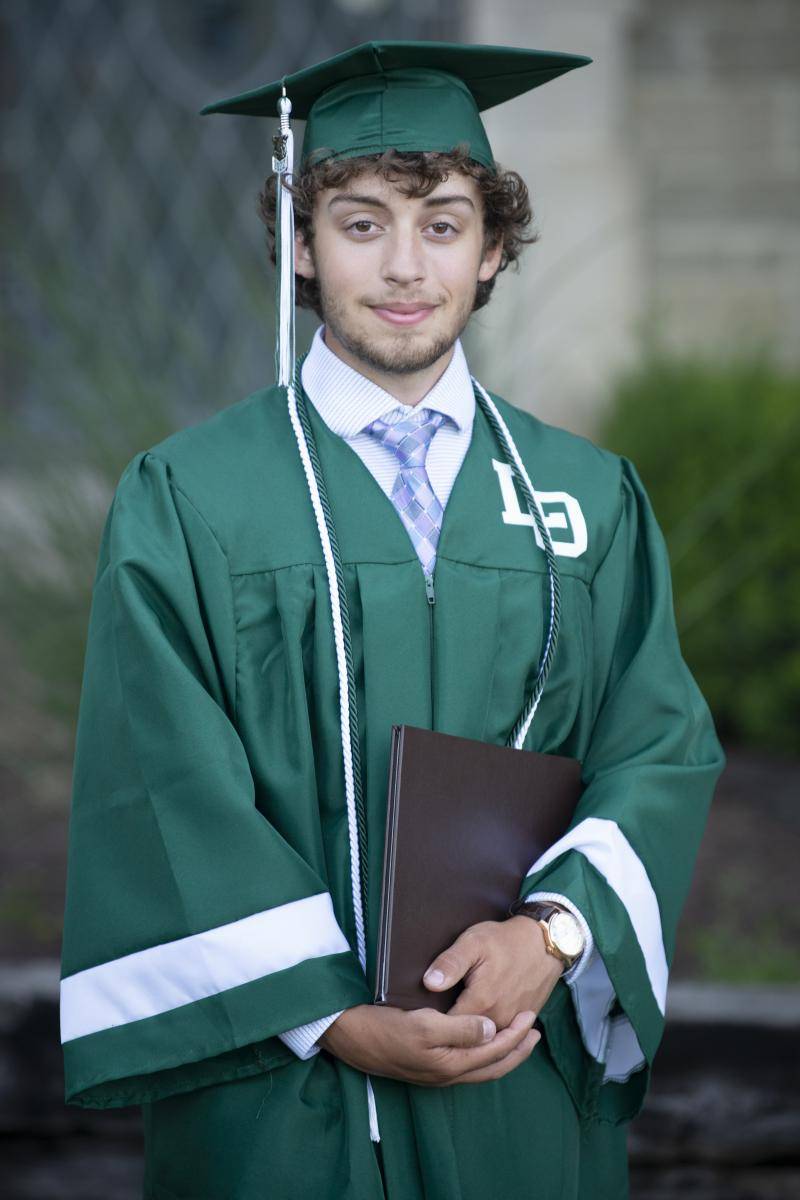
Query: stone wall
(665, 178)
(714, 116)
(554, 333)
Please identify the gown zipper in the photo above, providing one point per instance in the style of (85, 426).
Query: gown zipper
(374, 1129)
(431, 601)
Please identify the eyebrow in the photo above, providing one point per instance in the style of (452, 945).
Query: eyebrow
(375, 202)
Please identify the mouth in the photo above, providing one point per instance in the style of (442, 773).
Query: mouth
(403, 314)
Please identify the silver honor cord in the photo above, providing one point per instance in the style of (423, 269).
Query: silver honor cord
(542, 534)
(283, 166)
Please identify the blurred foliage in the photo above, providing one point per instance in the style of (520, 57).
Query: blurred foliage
(724, 937)
(100, 382)
(716, 444)
(27, 916)
(723, 953)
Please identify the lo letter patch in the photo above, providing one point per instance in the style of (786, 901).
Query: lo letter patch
(562, 514)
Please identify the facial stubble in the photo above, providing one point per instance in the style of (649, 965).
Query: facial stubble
(405, 354)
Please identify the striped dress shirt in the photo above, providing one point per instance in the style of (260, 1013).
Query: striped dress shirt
(347, 401)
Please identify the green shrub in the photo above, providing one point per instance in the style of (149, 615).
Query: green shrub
(718, 448)
(93, 380)
(91, 384)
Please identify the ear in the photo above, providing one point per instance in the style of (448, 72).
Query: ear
(490, 261)
(303, 261)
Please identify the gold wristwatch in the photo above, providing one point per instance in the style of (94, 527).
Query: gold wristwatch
(563, 937)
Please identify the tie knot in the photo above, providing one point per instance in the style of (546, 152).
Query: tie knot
(410, 438)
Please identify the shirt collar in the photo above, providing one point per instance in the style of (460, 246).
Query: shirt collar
(347, 401)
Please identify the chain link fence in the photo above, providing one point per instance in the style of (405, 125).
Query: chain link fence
(137, 297)
(138, 276)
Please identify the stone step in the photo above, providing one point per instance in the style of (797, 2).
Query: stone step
(722, 1106)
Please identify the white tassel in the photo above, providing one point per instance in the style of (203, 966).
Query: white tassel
(374, 1131)
(283, 165)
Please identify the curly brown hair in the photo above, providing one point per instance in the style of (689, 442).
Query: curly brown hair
(507, 211)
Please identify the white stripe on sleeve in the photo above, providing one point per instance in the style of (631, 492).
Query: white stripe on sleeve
(609, 851)
(613, 1040)
(164, 977)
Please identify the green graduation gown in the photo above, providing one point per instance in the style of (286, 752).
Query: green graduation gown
(209, 904)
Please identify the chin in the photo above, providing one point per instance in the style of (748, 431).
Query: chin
(392, 348)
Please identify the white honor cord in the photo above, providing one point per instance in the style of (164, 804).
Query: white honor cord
(520, 738)
(344, 712)
(344, 700)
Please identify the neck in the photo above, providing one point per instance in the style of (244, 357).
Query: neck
(407, 388)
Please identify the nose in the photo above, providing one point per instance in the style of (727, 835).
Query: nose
(403, 261)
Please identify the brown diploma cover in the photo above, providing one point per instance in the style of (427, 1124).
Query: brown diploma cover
(465, 821)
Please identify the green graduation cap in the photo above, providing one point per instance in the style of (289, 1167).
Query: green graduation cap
(406, 95)
(383, 95)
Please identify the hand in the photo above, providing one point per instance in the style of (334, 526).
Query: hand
(427, 1047)
(505, 966)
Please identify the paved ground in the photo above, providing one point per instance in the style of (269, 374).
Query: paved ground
(88, 1172)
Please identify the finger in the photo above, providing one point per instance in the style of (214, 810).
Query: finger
(467, 1029)
(500, 1012)
(450, 966)
(471, 999)
(458, 1061)
(502, 1067)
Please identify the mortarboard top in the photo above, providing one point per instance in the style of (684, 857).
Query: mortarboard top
(405, 95)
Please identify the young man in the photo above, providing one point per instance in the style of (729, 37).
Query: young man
(279, 585)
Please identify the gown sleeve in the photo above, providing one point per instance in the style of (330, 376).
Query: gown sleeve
(627, 858)
(194, 933)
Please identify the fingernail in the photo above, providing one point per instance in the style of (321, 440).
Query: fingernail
(434, 977)
(488, 1030)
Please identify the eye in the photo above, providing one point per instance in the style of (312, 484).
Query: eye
(361, 221)
(445, 224)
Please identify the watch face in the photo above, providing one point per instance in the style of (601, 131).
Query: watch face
(566, 933)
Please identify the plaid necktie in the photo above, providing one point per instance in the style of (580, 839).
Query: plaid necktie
(412, 494)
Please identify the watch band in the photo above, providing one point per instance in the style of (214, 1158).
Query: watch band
(538, 909)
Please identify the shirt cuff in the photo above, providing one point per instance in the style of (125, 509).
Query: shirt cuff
(303, 1038)
(589, 950)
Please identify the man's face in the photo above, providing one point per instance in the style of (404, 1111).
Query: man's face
(397, 274)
